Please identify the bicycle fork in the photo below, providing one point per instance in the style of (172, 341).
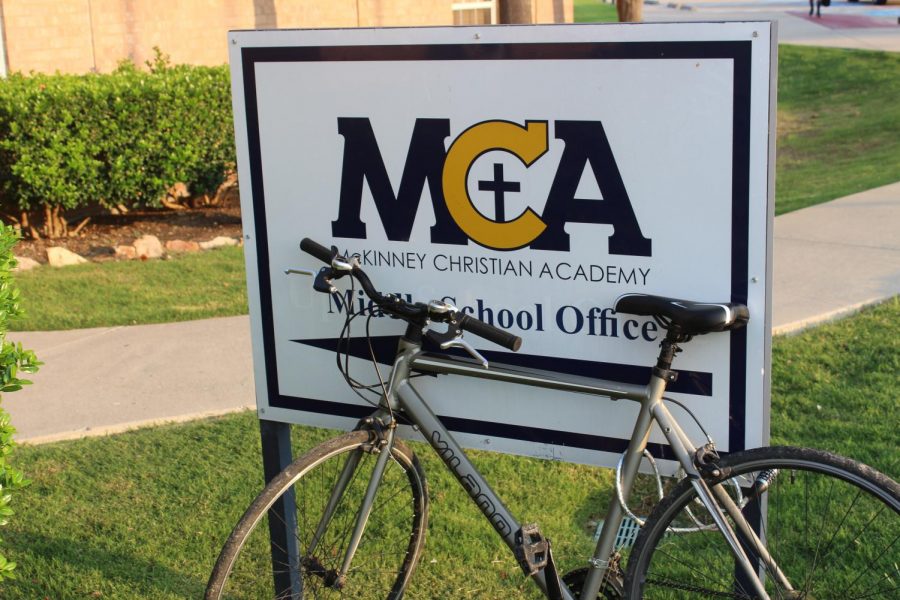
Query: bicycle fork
(383, 445)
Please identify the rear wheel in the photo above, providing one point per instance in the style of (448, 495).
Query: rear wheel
(832, 527)
(388, 551)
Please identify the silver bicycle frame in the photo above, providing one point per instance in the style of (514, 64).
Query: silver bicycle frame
(403, 396)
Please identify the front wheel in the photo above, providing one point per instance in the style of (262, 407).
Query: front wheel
(831, 525)
(388, 551)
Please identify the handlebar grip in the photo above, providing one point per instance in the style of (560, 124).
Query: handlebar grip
(490, 333)
(316, 249)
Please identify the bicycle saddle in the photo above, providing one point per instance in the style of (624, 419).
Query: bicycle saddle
(693, 318)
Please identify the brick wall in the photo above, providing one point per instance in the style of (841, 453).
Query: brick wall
(49, 35)
(537, 11)
(77, 36)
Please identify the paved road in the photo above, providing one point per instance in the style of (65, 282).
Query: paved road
(860, 25)
(829, 259)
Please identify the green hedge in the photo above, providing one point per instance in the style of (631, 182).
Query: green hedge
(14, 360)
(123, 138)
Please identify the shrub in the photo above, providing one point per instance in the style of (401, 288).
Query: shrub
(123, 138)
(13, 361)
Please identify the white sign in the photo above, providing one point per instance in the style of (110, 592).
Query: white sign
(529, 175)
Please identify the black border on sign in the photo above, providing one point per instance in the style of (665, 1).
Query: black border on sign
(737, 51)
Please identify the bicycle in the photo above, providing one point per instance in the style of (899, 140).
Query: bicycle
(734, 526)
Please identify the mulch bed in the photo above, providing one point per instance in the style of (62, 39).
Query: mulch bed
(98, 239)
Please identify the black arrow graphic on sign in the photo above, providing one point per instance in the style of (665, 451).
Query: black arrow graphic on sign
(698, 383)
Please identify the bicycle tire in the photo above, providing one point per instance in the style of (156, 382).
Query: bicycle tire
(855, 554)
(244, 568)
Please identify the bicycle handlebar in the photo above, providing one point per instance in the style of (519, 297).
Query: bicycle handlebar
(318, 250)
(489, 332)
(413, 311)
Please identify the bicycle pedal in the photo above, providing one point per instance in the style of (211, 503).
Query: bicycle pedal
(532, 549)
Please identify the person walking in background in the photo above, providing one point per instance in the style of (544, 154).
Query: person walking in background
(818, 6)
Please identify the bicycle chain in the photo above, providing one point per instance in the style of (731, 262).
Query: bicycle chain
(694, 588)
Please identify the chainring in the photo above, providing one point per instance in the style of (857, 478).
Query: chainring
(612, 588)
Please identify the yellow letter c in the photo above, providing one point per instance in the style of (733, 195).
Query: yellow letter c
(526, 143)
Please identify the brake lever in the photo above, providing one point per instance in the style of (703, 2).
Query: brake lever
(340, 267)
(459, 342)
(324, 278)
(452, 338)
(324, 281)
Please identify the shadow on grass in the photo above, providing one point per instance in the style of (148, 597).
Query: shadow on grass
(50, 566)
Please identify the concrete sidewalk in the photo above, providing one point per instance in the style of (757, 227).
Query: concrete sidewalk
(829, 259)
(111, 379)
(834, 258)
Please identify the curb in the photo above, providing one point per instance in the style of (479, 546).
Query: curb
(91, 432)
(802, 325)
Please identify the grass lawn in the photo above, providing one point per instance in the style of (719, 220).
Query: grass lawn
(142, 515)
(193, 286)
(595, 11)
(838, 124)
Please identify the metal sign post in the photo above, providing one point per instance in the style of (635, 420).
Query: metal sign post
(276, 455)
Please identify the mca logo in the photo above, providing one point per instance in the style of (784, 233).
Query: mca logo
(446, 173)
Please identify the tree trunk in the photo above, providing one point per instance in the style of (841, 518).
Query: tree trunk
(630, 11)
(55, 225)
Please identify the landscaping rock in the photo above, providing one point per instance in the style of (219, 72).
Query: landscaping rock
(182, 246)
(126, 252)
(25, 263)
(61, 257)
(218, 242)
(148, 246)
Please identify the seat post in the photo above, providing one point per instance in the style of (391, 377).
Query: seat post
(668, 349)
